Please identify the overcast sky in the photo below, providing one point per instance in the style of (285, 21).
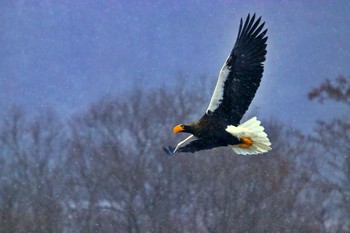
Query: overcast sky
(66, 54)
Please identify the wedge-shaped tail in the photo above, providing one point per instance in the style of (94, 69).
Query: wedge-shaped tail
(253, 132)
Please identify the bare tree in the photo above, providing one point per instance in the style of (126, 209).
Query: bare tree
(32, 189)
(334, 137)
(104, 170)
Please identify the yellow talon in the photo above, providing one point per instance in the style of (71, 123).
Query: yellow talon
(246, 142)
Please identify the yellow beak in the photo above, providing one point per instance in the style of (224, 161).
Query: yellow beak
(178, 128)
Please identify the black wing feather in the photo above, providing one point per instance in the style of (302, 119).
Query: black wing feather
(196, 145)
(245, 71)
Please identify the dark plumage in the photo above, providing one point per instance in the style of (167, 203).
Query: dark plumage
(245, 72)
(238, 82)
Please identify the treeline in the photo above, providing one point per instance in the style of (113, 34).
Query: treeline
(104, 170)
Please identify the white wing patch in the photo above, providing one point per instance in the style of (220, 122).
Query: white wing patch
(218, 94)
(182, 142)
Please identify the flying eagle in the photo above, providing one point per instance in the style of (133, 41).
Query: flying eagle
(235, 89)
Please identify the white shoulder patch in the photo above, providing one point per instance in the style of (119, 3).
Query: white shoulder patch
(218, 94)
(188, 139)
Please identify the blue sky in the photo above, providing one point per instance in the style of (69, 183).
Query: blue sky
(67, 54)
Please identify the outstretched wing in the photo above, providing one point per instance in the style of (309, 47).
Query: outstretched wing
(195, 145)
(190, 144)
(240, 75)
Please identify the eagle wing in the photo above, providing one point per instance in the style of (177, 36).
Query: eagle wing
(190, 144)
(195, 145)
(241, 73)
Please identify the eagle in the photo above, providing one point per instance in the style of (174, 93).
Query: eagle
(235, 89)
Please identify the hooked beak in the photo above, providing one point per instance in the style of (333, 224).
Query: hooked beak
(178, 128)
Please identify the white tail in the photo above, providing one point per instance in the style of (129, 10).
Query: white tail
(253, 130)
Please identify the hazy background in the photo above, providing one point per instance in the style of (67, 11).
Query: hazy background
(90, 90)
(66, 54)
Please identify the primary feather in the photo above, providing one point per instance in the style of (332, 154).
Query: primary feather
(241, 73)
